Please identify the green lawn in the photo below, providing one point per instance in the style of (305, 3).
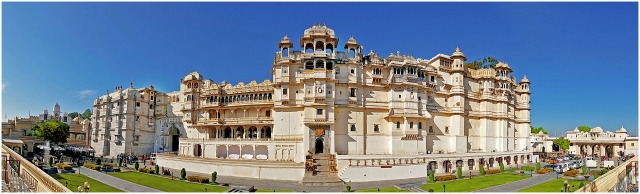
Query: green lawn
(474, 184)
(390, 189)
(75, 180)
(553, 186)
(165, 184)
(265, 191)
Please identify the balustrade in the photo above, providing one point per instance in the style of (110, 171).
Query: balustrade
(22, 176)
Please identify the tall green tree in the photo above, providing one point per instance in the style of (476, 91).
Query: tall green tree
(87, 114)
(562, 143)
(537, 130)
(53, 131)
(487, 62)
(584, 128)
(73, 115)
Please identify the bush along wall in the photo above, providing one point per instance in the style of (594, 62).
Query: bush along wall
(482, 170)
(501, 167)
(432, 179)
(459, 173)
(183, 174)
(538, 166)
(214, 176)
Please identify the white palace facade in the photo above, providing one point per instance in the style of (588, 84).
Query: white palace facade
(376, 118)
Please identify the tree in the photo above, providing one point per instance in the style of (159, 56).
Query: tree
(53, 131)
(562, 143)
(459, 173)
(584, 128)
(538, 166)
(87, 114)
(482, 170)
(34, 131)
(183, 174)
(214, 176)
(73, 115)
(537, 130)
(487, 62)
(431, 177)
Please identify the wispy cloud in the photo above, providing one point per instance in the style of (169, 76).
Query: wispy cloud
(4, 85)
(84, 93)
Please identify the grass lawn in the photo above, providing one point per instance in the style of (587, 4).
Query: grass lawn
(165, 184)
(554, 185)
(265, 191)
(75, 180)
(474, 184)
(390, 189)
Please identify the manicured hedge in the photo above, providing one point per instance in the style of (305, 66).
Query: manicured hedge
(571, 173)
(145, 170)
(528, 168)
(495, 171)
(64, 166)
(595, 172)
(92, 166)
(445, 178)
(544, 171)
(198, 179)
(107, 165)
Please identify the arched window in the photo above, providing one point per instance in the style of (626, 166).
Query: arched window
(410, 125)
(329, 49)
(353, 127)
(308, 48)
(319, 46)
(319, 64)
(189, 98)
(430, 129)
(285, 52)
(398, 124)
(329, 65)
(352, 53)
(308, 65)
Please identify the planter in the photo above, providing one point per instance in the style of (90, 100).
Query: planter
(52, 170)
(107, 170)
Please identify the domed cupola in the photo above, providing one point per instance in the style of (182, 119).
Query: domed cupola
(285, 42)
(458, 54)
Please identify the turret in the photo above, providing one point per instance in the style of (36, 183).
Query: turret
(284, 46)
(458, 60)
(353, 47)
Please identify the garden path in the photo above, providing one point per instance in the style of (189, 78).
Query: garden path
(123, 185)
(521, 184)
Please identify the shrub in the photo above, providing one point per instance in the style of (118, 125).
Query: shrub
(482, 172)
(120, 162)
(157, 169)
(571, 173)
(584, 169)
(501, 167)
(581, 185)
(445, 178)
(107, 165)
(145, 170)
(198, 179)
(183, 174)
(459, 173)
(431, 177)
(136, 165)
(431, 191)
(98, 161)
(605, 171)
(50, 162)
(67, 167)
(214, 176)
(544, 171)
(595, 177)
(348, 188)
(496, 171)
(92, 166)
(538, 166)
(528, 168)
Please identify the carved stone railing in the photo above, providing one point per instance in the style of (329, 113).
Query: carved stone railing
(33, 179)
(608, 181)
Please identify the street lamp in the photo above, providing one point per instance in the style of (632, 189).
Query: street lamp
(444, 187)
(86, 186)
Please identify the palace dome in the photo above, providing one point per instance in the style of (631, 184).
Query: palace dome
(192, 76)
(621, 130)
(318, 29)
(596, 130)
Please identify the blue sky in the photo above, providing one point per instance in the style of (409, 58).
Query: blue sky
(581, 58)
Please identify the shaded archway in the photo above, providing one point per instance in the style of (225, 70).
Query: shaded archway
(433, 165)
(221, 151)
(471, 163)
(174, 133)
(227, 132)
(197, 150)
(319, 146)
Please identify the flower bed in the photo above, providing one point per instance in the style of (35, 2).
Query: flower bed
(198, 179)
(571, 173)
(445, 178)
(64, 166)
(145, 170)
(496, 171)
(544, 171)
(92, 166)
(528, 168)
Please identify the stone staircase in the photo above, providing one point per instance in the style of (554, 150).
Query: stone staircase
(321, 175)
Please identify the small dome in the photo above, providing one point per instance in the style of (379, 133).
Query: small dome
(458, 54)
(576, 130)
(596, 130)
(502, 65)
(192, 76)
(524, 79)
(621, 130)
(351, 41)
(285, 41)
(318, 29)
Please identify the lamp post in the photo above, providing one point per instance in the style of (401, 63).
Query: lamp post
(86, 186)
(444, 188)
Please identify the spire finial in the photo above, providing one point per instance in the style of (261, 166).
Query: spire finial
(130, 84)
(107, 93)
(457, 49)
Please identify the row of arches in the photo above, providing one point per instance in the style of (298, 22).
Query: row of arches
(319, 64)
(238, 98)
(309, 47)
(241, 132)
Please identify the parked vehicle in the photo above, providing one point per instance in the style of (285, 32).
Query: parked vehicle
(591, 162)
(609, 163)
(562, 167)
